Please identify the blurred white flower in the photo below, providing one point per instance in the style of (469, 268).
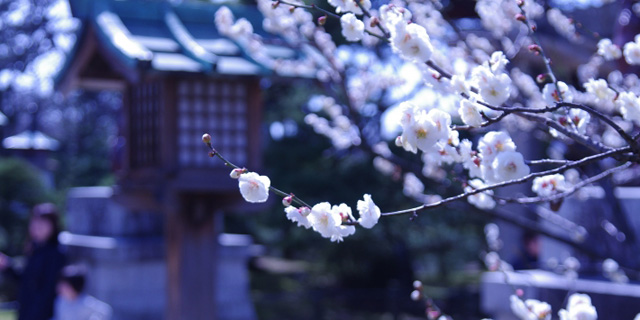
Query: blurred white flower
(578, 308)
(481, 200)
(600, 91)
(608, 50)
(631, 51)
(530, 309)
(546, 186)
(629, 105)
(352, 27)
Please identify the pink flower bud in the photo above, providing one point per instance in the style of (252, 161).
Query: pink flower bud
(206, 138)
(535, 48)
(304, 211)
(286, 201)
(322, 20)
(235, 173)
(520, 17)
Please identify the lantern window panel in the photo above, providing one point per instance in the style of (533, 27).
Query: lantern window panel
(217, 107)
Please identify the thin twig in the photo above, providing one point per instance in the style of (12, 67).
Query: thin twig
(570, 191)
(526, 178)
(272, 188)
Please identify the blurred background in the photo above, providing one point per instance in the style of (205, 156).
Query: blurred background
(103, 104)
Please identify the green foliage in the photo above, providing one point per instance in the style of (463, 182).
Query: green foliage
(20, 189)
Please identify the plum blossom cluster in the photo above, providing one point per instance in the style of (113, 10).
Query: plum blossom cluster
(331, 221)
(579, 307)
(337, 126)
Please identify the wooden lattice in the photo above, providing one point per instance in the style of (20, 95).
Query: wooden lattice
(217, 107)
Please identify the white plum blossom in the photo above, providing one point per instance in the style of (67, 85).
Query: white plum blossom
(342, 212)
(494, 88)
(459, 85)
(481, 200)
(509, 165)
(577, 118)
(631, 51)
(254, 187)
(327, 221)
(422, 133)
(629, 105)
(530, 309)
(298, 215)
(546, 186)
(411, 42)
(323, 220)
(352, 27)
(608, 50)
(350, 5)
(579, 307)
(422, 130)
(498, 62)
(369, 212)
(494, 142)
(390, 15)
(442, 121)
(470, 113)
(551, 96)
(600, 91)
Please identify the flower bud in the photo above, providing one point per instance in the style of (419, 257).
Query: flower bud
(541, 78)
(212, 153)
(416, 295)
(286, 201)
(417, 285)
(534, 28)
(304, 211)
(535, 48)
(292, 9)
(520, 3)
(374, 22)
(322, 20)
(519, 292)
(275, 4)
(399, 141)
(520, 17)
(235, 173)
(206, 138)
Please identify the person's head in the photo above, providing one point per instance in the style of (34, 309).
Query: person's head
(72, 281)
(43, 225)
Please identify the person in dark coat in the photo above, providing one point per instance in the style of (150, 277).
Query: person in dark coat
(44, 261)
